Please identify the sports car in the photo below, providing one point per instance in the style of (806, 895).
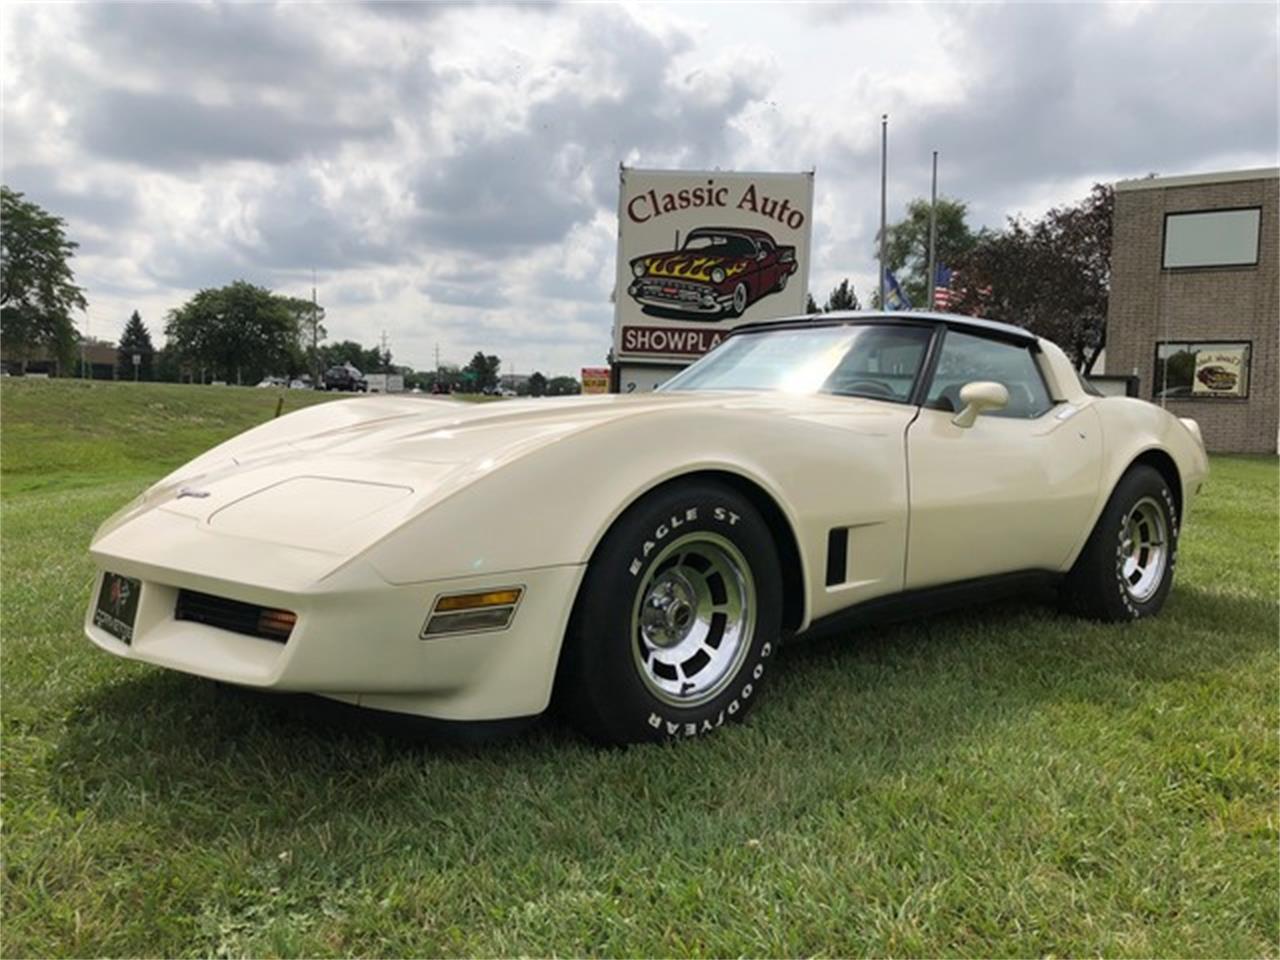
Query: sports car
(638, 560)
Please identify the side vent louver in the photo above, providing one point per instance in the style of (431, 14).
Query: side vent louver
(837, 555)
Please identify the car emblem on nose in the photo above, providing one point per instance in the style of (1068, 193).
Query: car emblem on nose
(192, 492)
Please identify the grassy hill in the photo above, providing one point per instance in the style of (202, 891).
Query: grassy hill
(69, 433)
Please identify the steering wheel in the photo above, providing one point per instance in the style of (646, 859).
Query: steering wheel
(873, 388)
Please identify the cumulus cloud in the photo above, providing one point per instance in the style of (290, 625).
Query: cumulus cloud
(450, 171)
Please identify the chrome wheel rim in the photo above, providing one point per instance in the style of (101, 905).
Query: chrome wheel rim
(740, 298)
(693, 619)
(1144, 550)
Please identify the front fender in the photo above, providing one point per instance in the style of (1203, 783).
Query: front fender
(1133, 428)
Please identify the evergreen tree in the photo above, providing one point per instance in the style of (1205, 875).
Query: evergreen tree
(842, 297)
(136, 339)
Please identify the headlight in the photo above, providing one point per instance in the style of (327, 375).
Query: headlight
(638, 268)
(717, 275)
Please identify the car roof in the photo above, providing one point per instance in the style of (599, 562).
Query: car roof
(992, 328)
(741, 231)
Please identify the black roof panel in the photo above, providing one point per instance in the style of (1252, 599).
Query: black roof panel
(994, 328)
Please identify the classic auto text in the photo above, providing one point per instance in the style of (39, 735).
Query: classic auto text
(651, 204)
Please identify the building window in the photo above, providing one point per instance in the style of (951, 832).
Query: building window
(1201, 371)
(1212, 238)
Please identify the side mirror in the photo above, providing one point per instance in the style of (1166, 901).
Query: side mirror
(979, 397)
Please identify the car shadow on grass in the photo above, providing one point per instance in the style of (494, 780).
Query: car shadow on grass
(905, 694)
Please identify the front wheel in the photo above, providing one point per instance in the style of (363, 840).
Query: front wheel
(1125, 570)
(677, 617)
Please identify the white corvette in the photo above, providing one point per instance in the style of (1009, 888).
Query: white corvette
(641, 557)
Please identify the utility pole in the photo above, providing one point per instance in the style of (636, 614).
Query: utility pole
(932, 278)
(386, 358)
(437, 357)
(315, 333)
(884, 161)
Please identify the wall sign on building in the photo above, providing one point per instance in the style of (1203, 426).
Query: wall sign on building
(700, 252)
(1221, 372)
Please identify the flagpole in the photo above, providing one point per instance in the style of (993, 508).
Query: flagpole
(884, 160)
(932, 277)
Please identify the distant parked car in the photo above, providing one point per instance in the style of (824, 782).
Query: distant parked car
(300, 383)
(346, 378)
(272, 382)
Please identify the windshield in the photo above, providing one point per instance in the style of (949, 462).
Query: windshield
(880, 361)
(727, 245)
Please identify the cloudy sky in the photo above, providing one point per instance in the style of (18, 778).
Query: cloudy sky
(450, 172)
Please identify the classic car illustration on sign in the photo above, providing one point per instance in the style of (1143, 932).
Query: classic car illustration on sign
(701, 252)
(717, 271)
(639, 559)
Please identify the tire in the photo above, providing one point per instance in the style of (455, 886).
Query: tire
(675, 622)
(1125, 570)
(741, 297)
(782, 283)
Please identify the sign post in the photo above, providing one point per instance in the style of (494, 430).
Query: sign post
(700, 252)
(137, 365)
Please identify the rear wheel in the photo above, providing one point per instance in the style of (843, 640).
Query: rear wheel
(1125, 570)
(677, 617)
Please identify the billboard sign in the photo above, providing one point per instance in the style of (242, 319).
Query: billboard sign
(595, 379)
(701, 252)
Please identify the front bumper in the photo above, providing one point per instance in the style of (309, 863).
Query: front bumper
(357, 639)
(683, 296)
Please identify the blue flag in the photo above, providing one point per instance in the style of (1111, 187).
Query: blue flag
(895, 299)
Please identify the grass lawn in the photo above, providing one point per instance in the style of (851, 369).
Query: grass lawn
(1002, 781)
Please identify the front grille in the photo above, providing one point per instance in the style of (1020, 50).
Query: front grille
(265, 623)
(684, 287)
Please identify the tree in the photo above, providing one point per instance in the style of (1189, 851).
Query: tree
(135, 339)
(563, 387)
(309, 316)
(810, 304)
(482, 372)
(907, 245)
(842, 297)
(37, 288)
(239, 332)
(537, 384)
(1051, 276)
(364, 359)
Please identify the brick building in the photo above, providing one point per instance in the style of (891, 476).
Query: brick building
(1195, 301)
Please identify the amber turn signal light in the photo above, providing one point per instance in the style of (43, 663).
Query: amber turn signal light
(474, 601)
(481, 612)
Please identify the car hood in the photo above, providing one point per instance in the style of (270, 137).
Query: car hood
(326, 484)
(691, 265)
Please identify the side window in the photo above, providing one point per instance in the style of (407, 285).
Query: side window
(965, 358)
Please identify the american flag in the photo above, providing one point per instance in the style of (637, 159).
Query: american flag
(942, 295)
(947, 289)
